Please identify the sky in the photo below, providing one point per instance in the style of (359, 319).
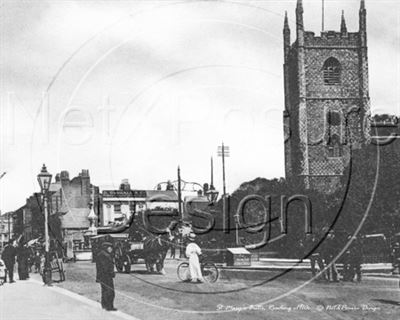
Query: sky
(132, 89)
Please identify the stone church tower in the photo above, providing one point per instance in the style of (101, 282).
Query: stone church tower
(327, 105)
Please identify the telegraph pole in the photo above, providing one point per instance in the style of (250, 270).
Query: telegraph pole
(223, 151)
(179, 195)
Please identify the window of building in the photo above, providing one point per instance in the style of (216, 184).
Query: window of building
(334, 147)
(333, 118)
(331, 72)
(117, 208)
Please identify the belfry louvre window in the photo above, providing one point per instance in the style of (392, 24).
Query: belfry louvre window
(331, 72)
(333, 118)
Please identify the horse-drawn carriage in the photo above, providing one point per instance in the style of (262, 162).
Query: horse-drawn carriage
(126, 252)
(150, 250)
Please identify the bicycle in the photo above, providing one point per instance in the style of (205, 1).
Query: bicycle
(208, 269)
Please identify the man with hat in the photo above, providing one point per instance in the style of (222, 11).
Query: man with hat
(8, 256)
(192, 252)
(105, 274)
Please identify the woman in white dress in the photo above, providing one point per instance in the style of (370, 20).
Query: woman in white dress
(192, 252)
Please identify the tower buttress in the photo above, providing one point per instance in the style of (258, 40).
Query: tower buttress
(363, 73)
(363, 24)
(286, 49)
(300, 46)
(286, 36)
(343, 27)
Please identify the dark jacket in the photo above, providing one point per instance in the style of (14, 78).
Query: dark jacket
(9, 254)
(356, 252)
(329, 248)
(104, 266)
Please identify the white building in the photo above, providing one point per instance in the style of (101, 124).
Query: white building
(119, 205)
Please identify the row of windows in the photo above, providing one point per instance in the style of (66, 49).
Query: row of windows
(117, 207)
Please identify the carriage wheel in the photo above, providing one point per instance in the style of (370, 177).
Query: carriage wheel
(127, 264)
(210, 272)
(182, 271)
(119, 262)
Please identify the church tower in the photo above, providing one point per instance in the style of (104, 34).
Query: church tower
(327, 103)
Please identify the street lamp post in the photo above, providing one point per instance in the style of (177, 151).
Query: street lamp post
(44, 179)
(92, 217)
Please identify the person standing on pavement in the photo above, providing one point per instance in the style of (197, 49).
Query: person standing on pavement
(105, 276)
(346, 260)
(23, 261)
(356, 257)
(396, 258)
(329, 256)
(311, 244)
(8, 257)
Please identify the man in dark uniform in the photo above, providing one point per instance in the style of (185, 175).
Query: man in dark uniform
(311, 243)
(8, 256)
(396, 258)
(329, 253)
(105, 274)
(356, 257)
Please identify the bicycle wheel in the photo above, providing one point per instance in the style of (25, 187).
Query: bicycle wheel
(210, 272)
(182, 271)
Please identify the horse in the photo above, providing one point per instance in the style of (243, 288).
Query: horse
(155, 249)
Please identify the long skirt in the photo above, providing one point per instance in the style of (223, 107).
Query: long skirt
(23, 271)
(194, 268)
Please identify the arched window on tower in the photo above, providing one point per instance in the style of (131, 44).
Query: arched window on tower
(333, 118)
(334, 147)
(331, 72)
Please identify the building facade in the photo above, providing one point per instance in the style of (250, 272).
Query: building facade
(119, 205)
(327, 104)
(6, 229)
(70, 205)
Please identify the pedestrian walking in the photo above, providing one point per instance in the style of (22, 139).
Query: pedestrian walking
(23, 261)
(105, 276)
(2, 272)
(36, 261)
(311, 244)
(328, 253)
(346, 259)
(396, 258)
(192, 252)
(356, 257)
(8, 257)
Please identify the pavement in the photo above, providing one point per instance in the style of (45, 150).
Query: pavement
(300, 268)
(32, 300)
(151, 296)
